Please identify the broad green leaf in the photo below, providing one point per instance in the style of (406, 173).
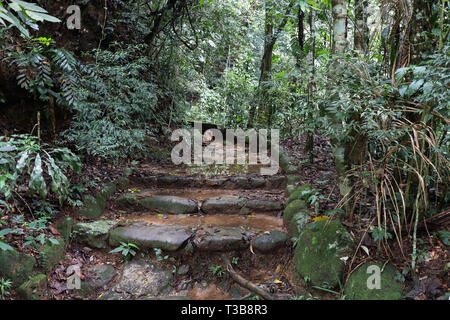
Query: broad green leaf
(37, 182)
(414, 87)
(5, 247)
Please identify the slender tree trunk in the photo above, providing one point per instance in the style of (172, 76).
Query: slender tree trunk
(309, 146)
(361, 37)
(338, 145)
(270, 40)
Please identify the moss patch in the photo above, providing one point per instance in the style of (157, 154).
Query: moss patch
(293, 208)
(94, 234)
(16, 266)
(356, 287)
(301, 193)
(51, 254)
(33, 289)
(319, 250)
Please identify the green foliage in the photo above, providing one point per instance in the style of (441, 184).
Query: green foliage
(159, 256)
(22, 15)
(217, 270)
(116, 106)
(5, 286)
(127, 250)
(24, 160)
(46, 70)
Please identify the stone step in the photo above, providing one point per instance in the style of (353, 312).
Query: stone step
(204, 238)
(247, 182)
(206, 234)
(201, 201)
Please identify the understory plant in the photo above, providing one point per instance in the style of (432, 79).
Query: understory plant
(23, 160)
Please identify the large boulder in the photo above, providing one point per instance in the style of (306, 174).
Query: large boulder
(319, 252)
(94, 234)
(16, 266)
(169, 238)
(360, 284)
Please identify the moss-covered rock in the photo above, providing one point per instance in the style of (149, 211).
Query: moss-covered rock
(128, 172)
(94, 234)
(298, 223)
(319, 250)
(33, 289)
(357, 287)
(289, 189)
(65, 227)
(50, 254)
(301, 193)
(126, 200)
(123, 183)
(293, 208)
(16, 266)
(294, 179)
(285, 159)
(93, 207)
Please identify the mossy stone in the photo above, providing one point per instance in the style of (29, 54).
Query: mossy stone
(319, 250)
(123, 183)
(294, 179)
(50, 254)
(285, 159)
(128, 172)
(289, 189)
(33, 289)
(357, 287)
(298, 223)
(94, 234)
(293, 208)
(91, 208)
(300, 193)
(65, 227)
(16, 266)
(126, 200)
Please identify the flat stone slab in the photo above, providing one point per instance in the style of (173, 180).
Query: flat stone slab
(268, 242)
(221, 239)
(227, 204)
(165, 237)
(163, 203)
(170, 204)
(140, 279)
(220, 182)
(264, 205)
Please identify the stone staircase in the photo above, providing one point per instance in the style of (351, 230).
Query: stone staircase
(213, 214)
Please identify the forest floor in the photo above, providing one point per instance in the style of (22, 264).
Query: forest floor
(202, 275)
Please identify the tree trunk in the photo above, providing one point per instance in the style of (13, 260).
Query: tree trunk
(338, 145)
(361, 37)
